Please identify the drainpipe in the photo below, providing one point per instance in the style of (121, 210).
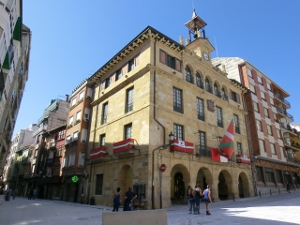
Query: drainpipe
(164, 146)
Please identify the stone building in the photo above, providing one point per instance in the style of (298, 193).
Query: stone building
(274, 142)
(158, 108)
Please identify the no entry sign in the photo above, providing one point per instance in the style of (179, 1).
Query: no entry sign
(163, 167)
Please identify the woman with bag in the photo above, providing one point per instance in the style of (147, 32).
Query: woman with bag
(192, 200)
(207, 199)
(117, 200)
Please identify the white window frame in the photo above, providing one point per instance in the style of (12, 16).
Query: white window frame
(73, 102)
(80, 96)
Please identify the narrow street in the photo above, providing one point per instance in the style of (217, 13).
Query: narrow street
(276, 210)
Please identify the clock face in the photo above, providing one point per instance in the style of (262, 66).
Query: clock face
(205, 55)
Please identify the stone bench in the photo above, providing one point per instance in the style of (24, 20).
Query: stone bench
(145, 217)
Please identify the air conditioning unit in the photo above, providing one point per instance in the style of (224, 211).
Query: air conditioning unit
(86, 117)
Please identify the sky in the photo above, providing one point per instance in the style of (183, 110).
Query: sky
(71, 40)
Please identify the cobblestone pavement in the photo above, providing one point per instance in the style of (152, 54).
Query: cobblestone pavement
(280, 209)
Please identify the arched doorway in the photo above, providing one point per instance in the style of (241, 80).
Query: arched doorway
(225, 185)
(243, 186)
(180, 179)
(125, 178)
(204, 177)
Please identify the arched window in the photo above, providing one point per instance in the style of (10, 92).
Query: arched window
(216, 90)
(224, 95)
(188, 75)
(199, 80)
(207, 85)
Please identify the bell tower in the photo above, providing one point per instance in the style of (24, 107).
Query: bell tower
(198, 42)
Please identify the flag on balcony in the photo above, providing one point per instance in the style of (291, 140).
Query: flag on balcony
(182, 146)
(226, 146)
(98, 152)
(216, 156)
(243, 159)
(123, 146)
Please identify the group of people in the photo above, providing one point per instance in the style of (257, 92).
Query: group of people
(128, 200)
(194, 198)
(8, 193)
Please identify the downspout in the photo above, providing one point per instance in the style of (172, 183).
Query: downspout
(164, 129)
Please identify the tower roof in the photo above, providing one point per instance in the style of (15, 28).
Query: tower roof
(196, 21)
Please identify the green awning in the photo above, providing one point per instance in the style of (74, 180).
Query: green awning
(17, 34)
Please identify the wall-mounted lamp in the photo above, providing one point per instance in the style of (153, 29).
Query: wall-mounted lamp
(171, 137)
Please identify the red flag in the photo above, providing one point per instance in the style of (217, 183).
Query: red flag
(182, 146)
(216, 156)
(226, 146)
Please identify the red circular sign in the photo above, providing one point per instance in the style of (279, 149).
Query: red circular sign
(163, 167)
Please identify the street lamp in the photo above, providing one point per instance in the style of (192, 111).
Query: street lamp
(171, 139)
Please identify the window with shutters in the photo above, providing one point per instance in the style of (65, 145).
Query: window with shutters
(170, 61)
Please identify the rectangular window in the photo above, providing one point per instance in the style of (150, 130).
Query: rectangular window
(129, 100)
(177, 100)
(239, 148)
(255, 107)
(236, 124)
(128, 131)
(272, 146)
(219, 117)
(118, 74)
(249, 72)
(102, 140)
(262, 94)
(235, 97)
(200, 109)
(75, 136)
(271, 101)
(130, 65)
(259, 79)
(107, 82)
(178, 132)
(99, 184)
(278, 133)
(78, 116)
(80, 160)
(266, 111)
(81, 96)
(258, 125)
(262, 145)
(71, 120)
(269, 87)
(73, 102)
(104, 113)
(170, 61)
(72, 159)
(270, 175)
(259, 174)
(269, 128)
(252, 88)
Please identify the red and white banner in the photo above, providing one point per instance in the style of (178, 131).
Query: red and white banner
(98, 152)
(243, 159)
(123, 146)
(182, 146)
(216, 156)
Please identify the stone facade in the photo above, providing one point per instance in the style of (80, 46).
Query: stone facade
(162, 88)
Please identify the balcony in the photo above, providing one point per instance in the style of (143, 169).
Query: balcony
(124, 148)
(277, 96)
(290, 158)
(203, 151)
(182, 146)
(283, 112)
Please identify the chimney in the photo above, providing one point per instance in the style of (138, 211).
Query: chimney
(67, 98)
(181, 40)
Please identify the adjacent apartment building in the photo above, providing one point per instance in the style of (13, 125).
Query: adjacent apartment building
(76, 137)
(275, 144)
(158, 108)
(15, 40)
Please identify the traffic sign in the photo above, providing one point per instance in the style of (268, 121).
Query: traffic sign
(163, 167)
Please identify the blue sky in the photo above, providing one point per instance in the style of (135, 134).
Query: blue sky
(73, 39)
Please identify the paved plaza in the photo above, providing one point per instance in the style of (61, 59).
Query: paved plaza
(280, 209)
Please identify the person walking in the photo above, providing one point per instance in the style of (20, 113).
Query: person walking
(129, 197)
(14, 193)
(192, 200)
(207, 199)
(198, 193)
(34, 194)
(117, 200)
(30, 194)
